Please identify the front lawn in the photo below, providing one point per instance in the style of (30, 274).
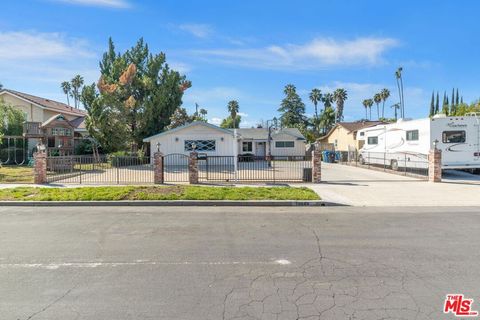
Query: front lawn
(156, 193)
(16, 174)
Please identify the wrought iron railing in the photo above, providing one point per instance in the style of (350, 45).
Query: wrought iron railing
(32, 129)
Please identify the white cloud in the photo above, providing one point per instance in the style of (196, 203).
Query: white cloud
(198, 30)
(318, 53)
(118, 4)
(19, 45)
(215, 121)
(180, 66)
(38, 62)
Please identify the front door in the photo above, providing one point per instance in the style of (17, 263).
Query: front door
(260, 149)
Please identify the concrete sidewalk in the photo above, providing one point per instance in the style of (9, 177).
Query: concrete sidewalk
(364, 187)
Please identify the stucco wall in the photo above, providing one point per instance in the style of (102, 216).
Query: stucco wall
(342, 139)
(169, 143)
(32, 112)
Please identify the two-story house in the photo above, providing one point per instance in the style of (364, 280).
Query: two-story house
(53, 123)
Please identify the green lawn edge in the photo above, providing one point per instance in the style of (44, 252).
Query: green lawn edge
(156, 193)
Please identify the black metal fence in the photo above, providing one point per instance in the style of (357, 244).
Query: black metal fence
(409, 164)
(175, 167)
(255, 169)
(103, 169)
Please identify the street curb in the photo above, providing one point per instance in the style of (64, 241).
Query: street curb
(173, 203)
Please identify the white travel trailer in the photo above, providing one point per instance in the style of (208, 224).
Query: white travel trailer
(406, 143)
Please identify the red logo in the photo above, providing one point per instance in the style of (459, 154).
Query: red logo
(459, 306)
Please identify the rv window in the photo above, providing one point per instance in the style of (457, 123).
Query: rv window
(412, 135)
(372, 140)
(454, 136)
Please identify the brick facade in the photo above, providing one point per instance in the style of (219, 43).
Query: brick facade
(158, 177)
(193, 168)
(40, 168)
(435, 165)
(317, 164)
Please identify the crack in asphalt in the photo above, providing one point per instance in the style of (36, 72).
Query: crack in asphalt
(66, 293)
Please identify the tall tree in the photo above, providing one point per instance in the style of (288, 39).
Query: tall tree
(365, 105)
(327, 119)
(457, 101)
(229, 123)
(76, 84)
(377, 98)
(437, 104)
(67, 88)
(385, 93)
(138, 91)
(398, 77)
(339, 96)
(432, 105)
(1, 86)
(315, 96)
(233, 108)
(292, 108)
(203, 114)
(445, 104)
(452, 102)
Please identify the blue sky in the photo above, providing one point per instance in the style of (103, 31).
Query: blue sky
(249, 50)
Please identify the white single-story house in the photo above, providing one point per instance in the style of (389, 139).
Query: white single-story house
(215, 141)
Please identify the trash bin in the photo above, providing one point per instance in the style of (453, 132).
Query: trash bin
(307, 174)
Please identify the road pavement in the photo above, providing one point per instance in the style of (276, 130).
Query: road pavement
(236, 263)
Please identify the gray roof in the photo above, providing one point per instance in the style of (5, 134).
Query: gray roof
(202, 123)
(262, 133)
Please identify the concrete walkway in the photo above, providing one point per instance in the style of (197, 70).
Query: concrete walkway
(364, 187)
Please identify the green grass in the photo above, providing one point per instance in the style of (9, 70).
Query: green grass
(156, 193)
(16, 174)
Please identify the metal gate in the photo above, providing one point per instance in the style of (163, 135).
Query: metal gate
(14, 150)
(251, 169)
(175, 167)
(102, 169)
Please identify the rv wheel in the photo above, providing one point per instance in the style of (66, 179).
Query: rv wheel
(394, 165)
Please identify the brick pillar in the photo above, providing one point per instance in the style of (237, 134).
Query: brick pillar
(435, 165)
(317, 164)
(158, 168)
(40, 167)
(193, 168)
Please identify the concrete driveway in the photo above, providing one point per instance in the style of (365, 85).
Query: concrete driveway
(364, 187)
(236, 263)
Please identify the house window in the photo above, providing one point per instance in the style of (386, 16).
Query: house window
(459, 136)
(247, 146)
(284, 144)
(51, 142)
(412, 135)
(200, 145)
(362, 134)
(61, 132)
(372, 140)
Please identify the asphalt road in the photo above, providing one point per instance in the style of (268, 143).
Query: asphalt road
(236, 263)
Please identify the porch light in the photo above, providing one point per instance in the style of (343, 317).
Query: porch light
(435, 144)
(221, 139)
(194, 146)
(176, 139)
(158, 146)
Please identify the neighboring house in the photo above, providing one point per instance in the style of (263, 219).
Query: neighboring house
(215, 141)
(55, 124)
(343, 136)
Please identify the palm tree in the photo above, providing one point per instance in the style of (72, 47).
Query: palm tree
(385, 94)
(365, 105)
(339, 96)
(315, 97)
(327, 119)
(377, 98)
(398, 76)
(203, 113)
(77, 83)
(327, 100)
(233, 108)
(67, 88)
